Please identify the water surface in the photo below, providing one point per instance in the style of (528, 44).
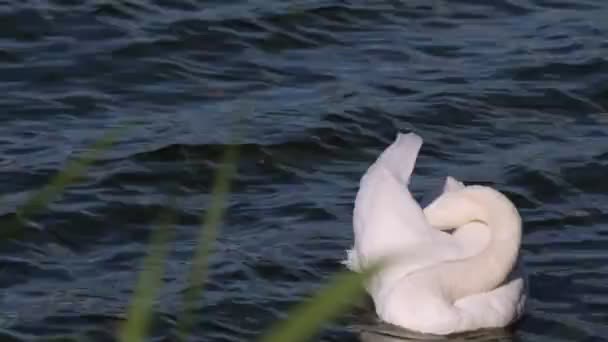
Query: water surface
(511, 94)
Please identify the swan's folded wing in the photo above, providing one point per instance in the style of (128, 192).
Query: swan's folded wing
(496, 308)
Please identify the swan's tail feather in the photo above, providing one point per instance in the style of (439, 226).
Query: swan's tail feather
(352, 261)
(400, 157)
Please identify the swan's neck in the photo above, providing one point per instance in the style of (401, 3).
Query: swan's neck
(488, 269)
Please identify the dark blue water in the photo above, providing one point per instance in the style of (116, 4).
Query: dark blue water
(511, 93)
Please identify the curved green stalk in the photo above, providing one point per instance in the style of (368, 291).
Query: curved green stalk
(306, 318)
(149, 282)
(207, 237)
(70, 174)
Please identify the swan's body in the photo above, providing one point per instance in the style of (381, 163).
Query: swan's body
(441, 283)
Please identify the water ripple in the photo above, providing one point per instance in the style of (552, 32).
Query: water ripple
(510, 93)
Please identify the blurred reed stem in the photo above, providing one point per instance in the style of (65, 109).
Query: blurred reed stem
(150, 280)
(208, 234)
(305, 319)
(68, 175)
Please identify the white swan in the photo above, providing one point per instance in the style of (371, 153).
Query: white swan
(442, 283)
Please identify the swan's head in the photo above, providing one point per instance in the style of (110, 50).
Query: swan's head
(471, 203)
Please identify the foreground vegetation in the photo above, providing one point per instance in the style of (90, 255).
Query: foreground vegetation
(304, 320)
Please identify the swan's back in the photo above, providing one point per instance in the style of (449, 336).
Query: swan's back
(387, 220)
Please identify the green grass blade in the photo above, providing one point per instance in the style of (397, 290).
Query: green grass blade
(207, 237)
(149, 283)
(68, 175)
(306, 318)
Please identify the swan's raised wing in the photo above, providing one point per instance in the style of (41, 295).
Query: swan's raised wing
(400, 157)
(386, 217)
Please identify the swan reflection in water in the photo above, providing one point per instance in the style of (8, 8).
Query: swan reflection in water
(367, 327)
(387, 333)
